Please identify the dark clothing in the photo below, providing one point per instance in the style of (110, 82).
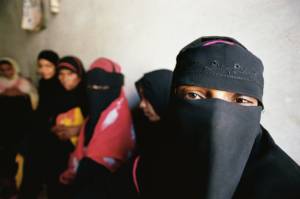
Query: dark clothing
(156, 87)
(92, 180)
(47, 155)
(212, 148)
(95, 177)
(41, 142)
(16, 120)
(147, 133)
(15, 117)
(96, 181)
(269, 173)
(50, 91)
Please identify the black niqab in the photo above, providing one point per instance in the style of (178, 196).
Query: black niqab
(102, 89)
(216, 149)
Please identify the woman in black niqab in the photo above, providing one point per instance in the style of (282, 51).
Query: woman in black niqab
(215, 149)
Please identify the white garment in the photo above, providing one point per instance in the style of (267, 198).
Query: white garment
(19, 82)
(54, 6)
(32, 19)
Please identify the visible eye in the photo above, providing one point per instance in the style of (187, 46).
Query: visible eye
(97, 87)
(190, 92)
(246, 101)
(193, 96)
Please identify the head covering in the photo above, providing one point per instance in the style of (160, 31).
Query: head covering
(49, 55)
(50, 90)
(217, 149)
(113, 139)
(104, 84)
(18, 82)
(220, 62)
(72, 63)
(77, 96)
(15, 66)
(156, 89)
(156, 86)
(48, 87)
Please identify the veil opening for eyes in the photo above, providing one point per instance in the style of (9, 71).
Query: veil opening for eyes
(188, 92)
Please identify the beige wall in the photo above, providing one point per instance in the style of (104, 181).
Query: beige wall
(146, 34)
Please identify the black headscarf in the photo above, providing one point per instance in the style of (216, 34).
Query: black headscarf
(156, 86)
(49, 55)
(49, 90)
(76, 97)
(59, 150)
(217, 149)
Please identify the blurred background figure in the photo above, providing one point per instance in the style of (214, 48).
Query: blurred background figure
(154, 92)
(18, 98)
(107, 140)
(60, 114)
(12, 84)
(49, 91)
(70, 113)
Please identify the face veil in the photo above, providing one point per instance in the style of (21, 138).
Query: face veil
(211, 148)
(103, 87)
(215, 139)
(211, 140)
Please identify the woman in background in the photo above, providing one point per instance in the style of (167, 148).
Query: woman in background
(107, 139)
(154, 91)
(49, 90)
(61, 120)
(67, 120)
(13, 84)
(18, 98)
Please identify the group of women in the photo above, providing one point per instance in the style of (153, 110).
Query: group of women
(79, 130)
(195, 133)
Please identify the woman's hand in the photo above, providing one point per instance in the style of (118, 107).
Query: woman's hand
(65, 133)
(13, 92)
(67, 177)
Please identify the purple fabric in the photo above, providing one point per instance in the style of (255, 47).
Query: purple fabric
(218, 41)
